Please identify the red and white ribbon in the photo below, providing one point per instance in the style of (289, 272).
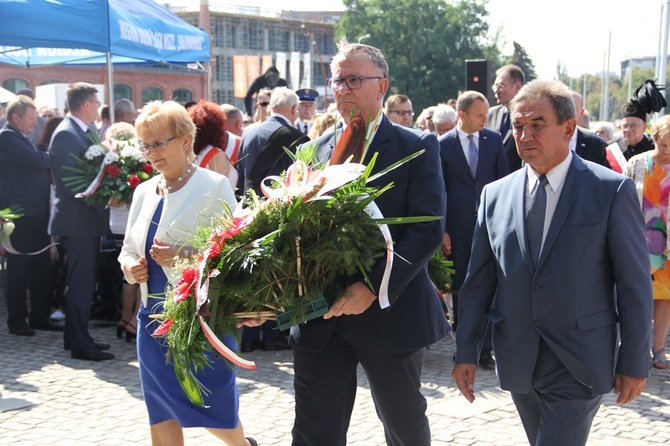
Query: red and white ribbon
(90, 190)
(7, 245)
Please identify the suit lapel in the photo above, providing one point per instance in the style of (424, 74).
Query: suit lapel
(574, 182)
(518, 190)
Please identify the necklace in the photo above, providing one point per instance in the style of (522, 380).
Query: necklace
(179, 182)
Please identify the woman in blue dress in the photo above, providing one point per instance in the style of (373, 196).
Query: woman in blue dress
(164, 215)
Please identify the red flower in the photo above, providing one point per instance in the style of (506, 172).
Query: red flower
(134, 181)
(163, 328)
(148, 168)
(183, 288)
(213, 250)
(220, 238)
(113, 171)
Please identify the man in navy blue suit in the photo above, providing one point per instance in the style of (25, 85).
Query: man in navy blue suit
(561, 243)
(78, 223)
(386, 336)
(472, 157)
(25, 184)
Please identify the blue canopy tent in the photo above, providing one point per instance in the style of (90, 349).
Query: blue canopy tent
(85, 32)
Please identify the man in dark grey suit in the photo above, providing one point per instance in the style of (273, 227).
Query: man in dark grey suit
(262, 148)
(78, 223)
(572, 312)
(25, 185)
(386, 334)
(584, 142)
(509, 80)
(472, 157)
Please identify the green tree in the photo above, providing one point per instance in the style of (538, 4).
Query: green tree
(426, 42)
(521, 59)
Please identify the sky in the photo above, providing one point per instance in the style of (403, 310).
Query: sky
(576, 32)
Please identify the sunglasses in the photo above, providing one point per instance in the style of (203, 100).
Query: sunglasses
(263, 104)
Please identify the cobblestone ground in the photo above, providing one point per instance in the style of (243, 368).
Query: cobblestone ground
(47, 398)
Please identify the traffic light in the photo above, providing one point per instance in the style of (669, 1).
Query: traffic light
(478, 76)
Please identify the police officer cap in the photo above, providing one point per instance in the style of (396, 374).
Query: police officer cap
(307, 95)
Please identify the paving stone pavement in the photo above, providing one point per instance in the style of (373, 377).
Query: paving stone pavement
(47, 398)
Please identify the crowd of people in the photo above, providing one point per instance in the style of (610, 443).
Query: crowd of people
(560, 262)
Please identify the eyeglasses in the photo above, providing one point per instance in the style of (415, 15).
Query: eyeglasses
(630, 126)
(496, 87)
(159, 145)
(352, 82)
(263, 104)
(403, 112)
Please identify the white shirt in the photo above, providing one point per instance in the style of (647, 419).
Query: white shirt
(556, 178)
(465, 143)
(573, 141)
(79, 122)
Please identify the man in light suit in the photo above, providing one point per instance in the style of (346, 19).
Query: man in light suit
(509, 80)
(571, 269)
(25, 184)
(386, 336)
(78, 223)
(467, 166)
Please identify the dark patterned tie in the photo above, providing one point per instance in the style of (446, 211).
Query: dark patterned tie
(535, 218)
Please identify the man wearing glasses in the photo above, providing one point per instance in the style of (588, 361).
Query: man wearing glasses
(387, 335)
(398, 108)
(509, 80)
(78, 223)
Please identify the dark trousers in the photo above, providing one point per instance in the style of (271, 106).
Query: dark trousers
(325, 389)
(29, 273)
(82, 264)
(558, 410)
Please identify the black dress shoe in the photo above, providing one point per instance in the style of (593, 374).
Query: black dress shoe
(98, 345)
(486, 361)
(48, 326)
(279, 344)
(92, 355)
(23, 330)
(248, 347)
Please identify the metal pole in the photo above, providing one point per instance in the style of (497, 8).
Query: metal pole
(607, 77)
(110, 87)
(602, 91)
(584, 89)
(661, 74)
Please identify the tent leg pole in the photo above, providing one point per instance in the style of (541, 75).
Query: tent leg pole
(110, 87)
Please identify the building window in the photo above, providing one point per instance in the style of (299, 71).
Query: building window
(151, 94)
(301, 42)
(50, 81)
(278, 39)
(122, 91)
(256, 34)
(182, 95)
(14, 84)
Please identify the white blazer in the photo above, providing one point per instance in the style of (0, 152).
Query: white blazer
(184, 211)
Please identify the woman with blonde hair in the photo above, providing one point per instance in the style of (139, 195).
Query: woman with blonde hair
(651, 173)
(165, 213)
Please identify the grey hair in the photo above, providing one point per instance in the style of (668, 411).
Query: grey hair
(555, 91)
(444, 113)
(346, 49)
(124, 105)
(19, 105)
(283, 97)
